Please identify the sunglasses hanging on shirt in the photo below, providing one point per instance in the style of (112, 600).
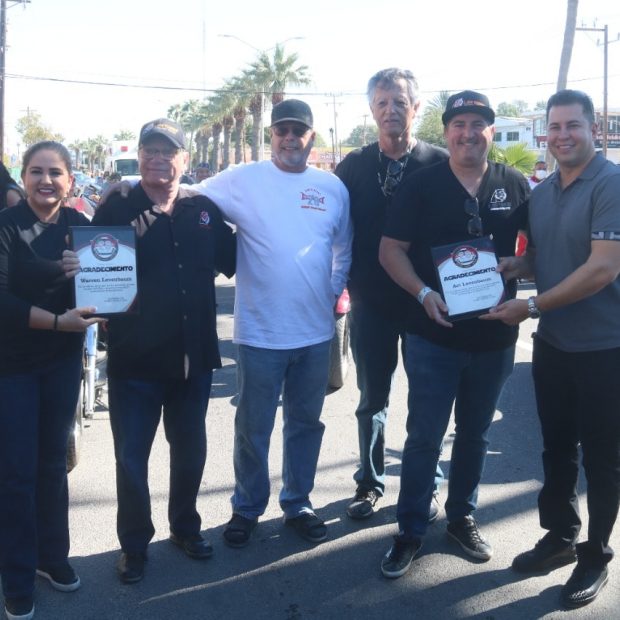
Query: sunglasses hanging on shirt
(393, 173)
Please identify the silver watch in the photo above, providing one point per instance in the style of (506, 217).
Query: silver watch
(423, 293)
(532, 308)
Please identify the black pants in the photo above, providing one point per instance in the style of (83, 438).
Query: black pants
(578, 397)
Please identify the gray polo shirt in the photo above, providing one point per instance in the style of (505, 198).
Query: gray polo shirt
(563, 224)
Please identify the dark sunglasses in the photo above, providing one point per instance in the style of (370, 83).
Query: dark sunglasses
(393, 176)
(283, 130)
(474, 225)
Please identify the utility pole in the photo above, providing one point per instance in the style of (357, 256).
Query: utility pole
(3, 8)
(605, 76)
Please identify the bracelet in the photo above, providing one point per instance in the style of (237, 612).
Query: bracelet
(55, 328)
(423, 293)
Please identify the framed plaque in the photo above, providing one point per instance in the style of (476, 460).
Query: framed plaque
(468, 278)
(108, 278)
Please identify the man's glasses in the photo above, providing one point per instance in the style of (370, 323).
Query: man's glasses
(168, 154)
(283, 130)
(474, 225)
(393, 176)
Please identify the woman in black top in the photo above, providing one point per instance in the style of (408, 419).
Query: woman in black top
(40, 364)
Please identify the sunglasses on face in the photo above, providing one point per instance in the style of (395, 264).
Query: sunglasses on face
(150, 153)
(474, 225)
(283, 130)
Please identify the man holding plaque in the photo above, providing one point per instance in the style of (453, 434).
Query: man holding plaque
(575, 259)
(446, 224)
(163, 356)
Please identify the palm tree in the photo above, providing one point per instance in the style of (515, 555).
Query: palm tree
(78, 147)
(125, 134)
(439, 102)
(191, 115)
(569, 39)
(275, 74)
(517, 156)
(241, 101)
(221, 107)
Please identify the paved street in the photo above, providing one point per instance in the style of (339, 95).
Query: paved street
(279, 576)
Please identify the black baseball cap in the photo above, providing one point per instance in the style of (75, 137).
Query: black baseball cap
(292, 110)
(167, 129)
(468, 101)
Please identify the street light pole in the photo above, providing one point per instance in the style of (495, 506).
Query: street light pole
(3, 8)
(261, 138)
(604, 30)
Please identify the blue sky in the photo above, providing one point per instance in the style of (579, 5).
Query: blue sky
(507, 50)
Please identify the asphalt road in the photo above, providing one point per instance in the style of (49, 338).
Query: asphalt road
(279, 576)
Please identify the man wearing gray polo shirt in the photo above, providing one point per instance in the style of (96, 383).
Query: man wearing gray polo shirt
(575, 258)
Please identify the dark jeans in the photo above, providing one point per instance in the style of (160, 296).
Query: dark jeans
(36, 418)
(374, 344)
(438, 379)
(135, 411)
(578, 402)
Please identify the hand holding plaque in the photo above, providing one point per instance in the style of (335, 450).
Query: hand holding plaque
(108, 276)
(468, 278)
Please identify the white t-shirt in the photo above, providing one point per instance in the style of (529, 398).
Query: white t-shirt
(293, 251)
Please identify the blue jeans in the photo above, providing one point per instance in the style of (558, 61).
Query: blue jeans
(374, 344)
(301, 376)
(36, 418)
(135, 411)
(438, 378)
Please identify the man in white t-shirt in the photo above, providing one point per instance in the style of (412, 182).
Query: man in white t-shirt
(293, 257)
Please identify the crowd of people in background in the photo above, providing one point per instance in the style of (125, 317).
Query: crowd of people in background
(300, 236)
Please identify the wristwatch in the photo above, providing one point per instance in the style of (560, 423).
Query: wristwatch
(532, 308)
(423, 293)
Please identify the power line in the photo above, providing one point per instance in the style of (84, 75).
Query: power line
(298, 93)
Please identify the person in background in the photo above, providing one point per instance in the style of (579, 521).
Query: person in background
(40, 366)
(378, 305)
(202, 171)
(539, 174)
(10, 192)
(574, 257)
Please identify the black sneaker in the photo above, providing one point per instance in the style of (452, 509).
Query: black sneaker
(548, 553)
(363, 504)
(195, 546)
(465, 531)
(130, 567)
(21, 608)
(62, 577)
(433, 511)
(397, 561)
(584, 585)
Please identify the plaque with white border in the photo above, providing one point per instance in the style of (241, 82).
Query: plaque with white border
(468, 278)
(108, 277)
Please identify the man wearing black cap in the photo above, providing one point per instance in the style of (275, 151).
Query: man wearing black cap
(163, 356)
(464, 363)
(294, 251)
(379, 306)
(202, 171)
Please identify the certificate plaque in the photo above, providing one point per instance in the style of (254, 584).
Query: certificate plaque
(108, 277)
(468, 277)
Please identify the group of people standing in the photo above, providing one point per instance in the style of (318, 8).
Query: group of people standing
(301, 235)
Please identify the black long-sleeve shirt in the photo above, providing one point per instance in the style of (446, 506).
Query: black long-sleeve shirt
(173, 335)
(31, 274)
